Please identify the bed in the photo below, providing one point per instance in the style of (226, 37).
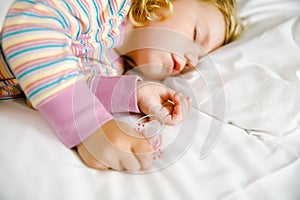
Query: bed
(240, 141)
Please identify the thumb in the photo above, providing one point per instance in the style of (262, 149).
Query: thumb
(160, 110)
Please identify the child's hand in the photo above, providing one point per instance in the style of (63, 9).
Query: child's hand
(155, 98)
(117, 146)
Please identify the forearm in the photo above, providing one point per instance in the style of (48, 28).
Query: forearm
(117, 94)
(75, 114)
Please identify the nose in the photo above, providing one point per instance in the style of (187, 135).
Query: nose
(192, 58)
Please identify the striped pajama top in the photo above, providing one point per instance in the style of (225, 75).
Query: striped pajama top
(52, 50)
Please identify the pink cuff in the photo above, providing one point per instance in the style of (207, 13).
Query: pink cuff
(118, 93)
(75, 114)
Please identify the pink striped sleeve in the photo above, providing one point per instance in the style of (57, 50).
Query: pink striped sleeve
(117, 93)
(78, 112)
(79, 115)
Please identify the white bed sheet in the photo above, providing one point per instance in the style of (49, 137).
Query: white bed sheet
(257, 154)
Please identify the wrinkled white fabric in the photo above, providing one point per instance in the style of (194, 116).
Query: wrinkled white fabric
(254, 82)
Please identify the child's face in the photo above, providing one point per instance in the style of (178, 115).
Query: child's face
(192, 21)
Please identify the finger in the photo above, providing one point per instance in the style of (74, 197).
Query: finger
(130, 162)
(103, 151)
(90, 160)
(181, 106)
(185, 103)
(161, 110)
(176, 115)
(166, 94)
(112, 160)
(144, 153)
(190, 101)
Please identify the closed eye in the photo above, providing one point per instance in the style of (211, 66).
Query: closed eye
(195, 34)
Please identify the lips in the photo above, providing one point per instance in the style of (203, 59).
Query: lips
(176, 65)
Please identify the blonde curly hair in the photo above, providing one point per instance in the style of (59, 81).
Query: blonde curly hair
(142, 11)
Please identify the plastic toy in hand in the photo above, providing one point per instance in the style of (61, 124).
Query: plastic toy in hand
(151, 126)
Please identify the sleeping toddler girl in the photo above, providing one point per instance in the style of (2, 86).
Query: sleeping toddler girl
(60, 55)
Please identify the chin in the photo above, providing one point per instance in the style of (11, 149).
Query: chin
(155, 72)
(155, 76)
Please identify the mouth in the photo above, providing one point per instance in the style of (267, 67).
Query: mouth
(176, 64)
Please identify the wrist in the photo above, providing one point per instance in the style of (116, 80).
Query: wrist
(138, 87)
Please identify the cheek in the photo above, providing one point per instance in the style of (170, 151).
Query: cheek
(154, 64)
(146, 56)
(154, 71)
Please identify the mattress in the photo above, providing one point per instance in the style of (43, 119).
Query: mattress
(241, 140)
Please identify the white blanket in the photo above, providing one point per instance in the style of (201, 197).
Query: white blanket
(240, 142)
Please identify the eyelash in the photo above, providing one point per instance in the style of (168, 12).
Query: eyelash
(195, 34)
